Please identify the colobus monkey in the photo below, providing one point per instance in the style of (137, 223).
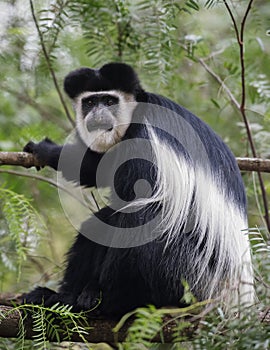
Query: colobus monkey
(177, 210)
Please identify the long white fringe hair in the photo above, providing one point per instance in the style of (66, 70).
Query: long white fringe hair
(195, 202)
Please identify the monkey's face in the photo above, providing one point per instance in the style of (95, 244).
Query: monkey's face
(103, 117)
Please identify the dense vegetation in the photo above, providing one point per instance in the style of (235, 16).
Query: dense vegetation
(186, 50)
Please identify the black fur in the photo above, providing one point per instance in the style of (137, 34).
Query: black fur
(125, 278)
(112, 76)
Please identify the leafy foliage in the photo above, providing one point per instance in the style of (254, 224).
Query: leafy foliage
(218, 332)
(140, 32)
(52, 22)
(108, 42)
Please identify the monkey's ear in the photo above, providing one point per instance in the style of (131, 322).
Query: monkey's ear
(112, 76)
(77, 81)
(121, 77)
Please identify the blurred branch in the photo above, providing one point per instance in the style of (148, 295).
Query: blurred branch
(49, 64)
(28, 160)
(42, 110)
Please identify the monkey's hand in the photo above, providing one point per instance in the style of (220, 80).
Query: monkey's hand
(47, 152)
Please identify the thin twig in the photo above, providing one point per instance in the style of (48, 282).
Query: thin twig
(220, 81)
(202, 61)
(244, 20)
(240, 40)
(45, 179)
(232, 18)
(48, 61)
(242, 56)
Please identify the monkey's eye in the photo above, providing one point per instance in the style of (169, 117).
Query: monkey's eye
(90, 102)
(110, 101)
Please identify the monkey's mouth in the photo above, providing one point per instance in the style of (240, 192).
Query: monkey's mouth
(93, 126)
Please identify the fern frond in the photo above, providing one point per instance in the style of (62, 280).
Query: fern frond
(142, 33)
(258, 243)
(39, 329)
(52, 323)
(262, 86)
(52, 22)
(147, 325)
(156, 29)
(23, 222)
(20, 342)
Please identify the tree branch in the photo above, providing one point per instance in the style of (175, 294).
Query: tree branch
(254, 164)
(105, 330)
(28, 160)
(24, 159)
(100, 329)
(51, 114)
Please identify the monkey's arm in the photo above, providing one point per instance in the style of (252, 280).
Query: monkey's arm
(75, 161)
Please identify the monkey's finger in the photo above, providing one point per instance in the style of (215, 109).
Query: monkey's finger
(29, 147)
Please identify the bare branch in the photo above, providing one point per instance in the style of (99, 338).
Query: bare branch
(28, 160)
(254, 164)
(24, 159)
